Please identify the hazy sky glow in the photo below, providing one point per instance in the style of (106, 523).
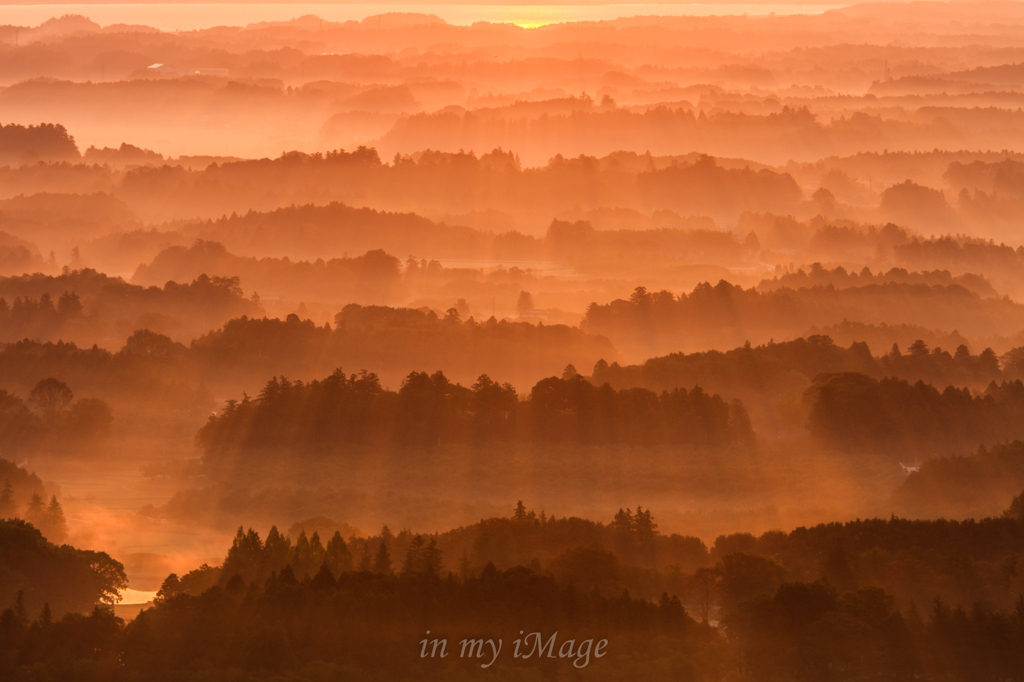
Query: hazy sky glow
(628, 318)
(188, 16)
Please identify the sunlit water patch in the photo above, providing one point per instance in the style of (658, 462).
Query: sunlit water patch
(130, 596)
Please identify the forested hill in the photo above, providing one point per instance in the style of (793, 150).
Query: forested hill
(87, 306)
(326, 416)
(726, 315)
(759, 367)
(873, 599)
(244, 352)
(773, 379)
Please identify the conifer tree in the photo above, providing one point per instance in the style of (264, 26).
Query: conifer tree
(382, 562)
(365, 563)
(50, 396)
(302, 557)
(8, 507)
(277, 549)
(324, 578)
(20, 612)
(432, 558)
(170, 587)
(317, 553)
(35, 513)
(55, 523)
(414, 556)
(246, 558)
(337, 556)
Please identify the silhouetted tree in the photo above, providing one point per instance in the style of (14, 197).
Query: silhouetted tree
(524, 303)
(278, 549)
(382, 562)
(247, 557)
(56, 527)
(1016, 508)
(302, 557)
(35, 513)
(317, 553)
(414, 563)
(50, 396)
(69, 305)
(8, 506)
(365, 562)
(337, 556)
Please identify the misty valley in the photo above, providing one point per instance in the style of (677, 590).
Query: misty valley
(654, 347)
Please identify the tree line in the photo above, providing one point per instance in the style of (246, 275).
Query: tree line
(38, 574)
(33, 143)
(915, 561)
(840, 278)
(887, 599)
(358, 625)
(51, 420)
(91, 306)
(47, 517)
(725, 315)
(322, 417)
(960, 254)
(768, 366)
(687, 182)
(856, 413)
(341, 229)
(967, 485)
(246, 350)
(393, 340)
(757, 376)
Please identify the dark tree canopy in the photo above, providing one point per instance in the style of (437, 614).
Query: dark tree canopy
(323, 417)
(68, 579)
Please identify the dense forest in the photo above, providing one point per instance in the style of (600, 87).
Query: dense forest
(771, 379)
(339, 229)
(246, 351)
(57, 420)
(631, 200)
(652, 323)
(854, 411)
(394, 341)
(839, 278)
(321, 417)
(869, 598)
(964, 484)
(629, 179)
(773, 364)
(152, 370)
(44, 142)
(85, 305)
(38, 574)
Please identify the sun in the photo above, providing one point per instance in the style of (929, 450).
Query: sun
(537, 16)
